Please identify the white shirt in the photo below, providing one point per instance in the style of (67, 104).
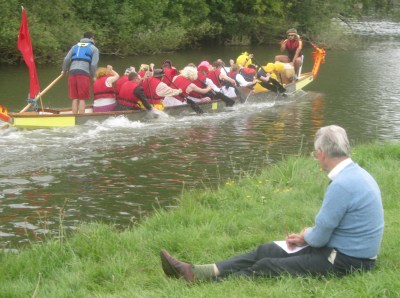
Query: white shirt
(339, 167)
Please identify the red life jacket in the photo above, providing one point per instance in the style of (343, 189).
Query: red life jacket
(126, 95)
(119, 84)
(248, 73)
(182, 83)
(232, 75)
(291, 47)
(214, 76)
(149, 86)
(100, 90)
(170, 73)
(142, 73)
(200, 82)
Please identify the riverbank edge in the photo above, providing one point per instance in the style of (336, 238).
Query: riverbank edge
(206, 226)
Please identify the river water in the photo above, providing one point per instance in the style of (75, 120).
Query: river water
(118, 171)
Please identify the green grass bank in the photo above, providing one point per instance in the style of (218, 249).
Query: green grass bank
(207, 226)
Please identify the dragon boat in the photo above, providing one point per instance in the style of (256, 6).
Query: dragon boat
(48, 118)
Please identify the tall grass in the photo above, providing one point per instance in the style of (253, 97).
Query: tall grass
(207, 226)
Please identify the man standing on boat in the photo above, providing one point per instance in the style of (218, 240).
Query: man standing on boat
(81, 64)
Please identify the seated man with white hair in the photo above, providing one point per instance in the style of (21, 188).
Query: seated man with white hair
(345, 238)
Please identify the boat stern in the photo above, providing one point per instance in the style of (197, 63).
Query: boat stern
(41, 121)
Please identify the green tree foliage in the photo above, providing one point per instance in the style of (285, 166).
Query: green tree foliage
(9, 25)
(314, 16)
(127, 27)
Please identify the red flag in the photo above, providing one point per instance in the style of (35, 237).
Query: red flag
(25, 47)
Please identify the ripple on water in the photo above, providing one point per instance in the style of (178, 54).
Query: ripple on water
(25, 225)
(14, 191)
(47, 178)
(22, 206)
(16, 181)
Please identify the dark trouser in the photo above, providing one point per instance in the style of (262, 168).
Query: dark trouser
(219, 95)
(216, 95)
(345, 264)
(273, 85)
(270, 260)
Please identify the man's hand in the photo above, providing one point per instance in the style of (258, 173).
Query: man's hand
(283, 45)
(293, 240)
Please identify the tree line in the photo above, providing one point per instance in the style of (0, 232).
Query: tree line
(133, 27)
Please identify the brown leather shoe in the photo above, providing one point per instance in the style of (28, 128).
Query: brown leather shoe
(166, 266)
(175, 268)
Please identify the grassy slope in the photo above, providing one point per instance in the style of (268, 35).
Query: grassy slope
(208, 226)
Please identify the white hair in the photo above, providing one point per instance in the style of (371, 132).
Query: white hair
(333, 141)
(189, 72)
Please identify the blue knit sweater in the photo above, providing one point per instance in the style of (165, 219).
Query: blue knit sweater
(351, 217)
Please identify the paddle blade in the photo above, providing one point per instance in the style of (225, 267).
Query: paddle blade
(229, 102)
(4, 113)
(194, 106)
(239, 95)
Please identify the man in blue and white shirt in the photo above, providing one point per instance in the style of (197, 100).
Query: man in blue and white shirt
(346, 236)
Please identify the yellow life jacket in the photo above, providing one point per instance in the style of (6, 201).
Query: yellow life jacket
(242, 59)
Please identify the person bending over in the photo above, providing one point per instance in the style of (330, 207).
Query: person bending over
(131, 95)
(268, 79)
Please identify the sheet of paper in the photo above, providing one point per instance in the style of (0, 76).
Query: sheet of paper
(284, 246)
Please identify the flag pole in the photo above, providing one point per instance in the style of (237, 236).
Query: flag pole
(43, 92)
